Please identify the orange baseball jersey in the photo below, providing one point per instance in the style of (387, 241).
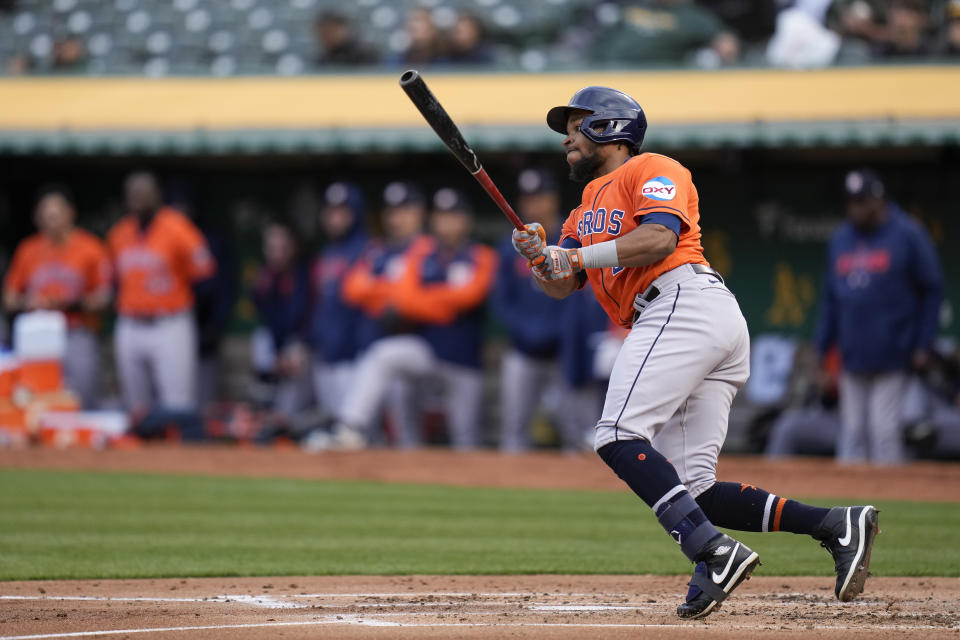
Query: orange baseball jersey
(61, 274)
(437, 291)
(156, 266)
(617, 203)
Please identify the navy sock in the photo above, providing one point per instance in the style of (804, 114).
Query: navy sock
(655, 481)
(736, 505)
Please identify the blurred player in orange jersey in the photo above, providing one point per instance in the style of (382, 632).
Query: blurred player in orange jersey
(67, 269)
(437, 297)
(158, 255)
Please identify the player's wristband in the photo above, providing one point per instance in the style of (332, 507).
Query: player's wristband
(600, 255)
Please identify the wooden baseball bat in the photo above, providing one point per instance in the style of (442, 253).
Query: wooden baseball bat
(436, 116)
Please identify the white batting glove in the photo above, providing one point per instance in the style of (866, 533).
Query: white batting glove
(530, 242)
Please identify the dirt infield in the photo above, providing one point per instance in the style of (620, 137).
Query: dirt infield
(469, 607)
(477, 607)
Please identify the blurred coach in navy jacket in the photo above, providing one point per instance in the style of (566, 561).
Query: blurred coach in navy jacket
(881, 302)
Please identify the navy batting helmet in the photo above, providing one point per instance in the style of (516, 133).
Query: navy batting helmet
(619, 115)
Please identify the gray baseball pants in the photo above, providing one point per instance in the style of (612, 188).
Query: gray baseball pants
(81, 366)
(410, 358)
(157, 361)
(677, 373)
(871, 406)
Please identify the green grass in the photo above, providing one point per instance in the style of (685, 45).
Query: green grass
(122, 525)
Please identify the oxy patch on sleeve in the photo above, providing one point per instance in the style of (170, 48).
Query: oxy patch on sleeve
(659, 188)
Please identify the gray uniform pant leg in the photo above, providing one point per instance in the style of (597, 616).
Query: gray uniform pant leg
(385, 360)
(131, 350)
(463, 398)
(331, 384)
(160, 355)
(173, 358)
(576, 413)
(677, 373)
(946, 418)
(81, 366)
(404, 407)
(803, 430)
(854, 414)
(692, 438)
(870, 408)
(294, 394)
(522, 383)
(886, 409)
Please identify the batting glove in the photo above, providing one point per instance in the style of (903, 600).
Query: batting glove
(530, 242)
(556, 263)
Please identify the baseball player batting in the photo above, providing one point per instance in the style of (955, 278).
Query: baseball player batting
(635, 237)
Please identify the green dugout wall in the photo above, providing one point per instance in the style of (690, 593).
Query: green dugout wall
(767, 148)
(766, 214)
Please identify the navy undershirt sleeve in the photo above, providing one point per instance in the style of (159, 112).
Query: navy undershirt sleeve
(669, 220)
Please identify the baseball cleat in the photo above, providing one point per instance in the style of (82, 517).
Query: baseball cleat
(721, 567)
(848, 533)
(347, 438)
(340, 438)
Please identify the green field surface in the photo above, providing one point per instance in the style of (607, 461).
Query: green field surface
(123, 525)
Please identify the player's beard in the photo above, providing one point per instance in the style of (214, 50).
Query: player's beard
(584, 169)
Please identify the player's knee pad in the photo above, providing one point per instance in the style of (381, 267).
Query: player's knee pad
(642, 467)
(611, 453)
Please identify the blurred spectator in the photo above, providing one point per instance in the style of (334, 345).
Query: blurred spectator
(752, 21)
(18, 65)
(281, 293)
(862, 20)
(339, 42)
(67, 269)
(158, 254)
(468, 42)
(425, 44)
(69, 53)
(437, 300)
(664, 31)
(949, 44)
(907, 32)
(334, 325)
(62, 54)
(801, 40)
(533, 320)
(881, 300)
